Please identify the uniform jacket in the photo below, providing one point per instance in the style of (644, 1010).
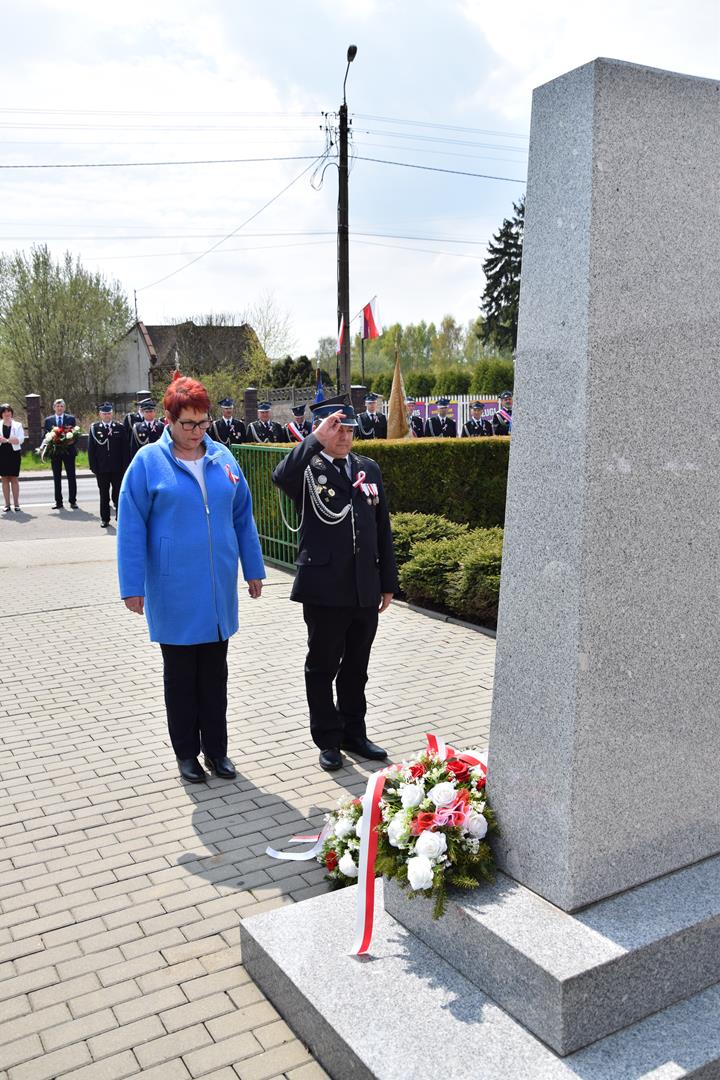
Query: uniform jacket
(329, 572)
(229, 431)
(107, 448)
(473, 428)
(500, 425)
(131, 419)
(68, 420)
(266, 432)
(371, 426)
(304, 427)
(145, 433)
(416, 426)
(441, 428)
(180, 553)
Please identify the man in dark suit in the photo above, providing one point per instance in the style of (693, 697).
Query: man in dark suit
(371, 424)
(227, 430)
(62, 419)
(298, 427)
(265, 429)
(107, 458)
(442, 424)
(502, 419)
(417, 428)
(148, 430)
(475, 426)
(346, 575)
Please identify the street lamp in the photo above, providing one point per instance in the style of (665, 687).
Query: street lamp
(343, 245)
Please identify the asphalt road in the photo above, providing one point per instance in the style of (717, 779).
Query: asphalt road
(41, 492)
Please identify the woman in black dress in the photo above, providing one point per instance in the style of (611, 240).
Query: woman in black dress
(12, 437)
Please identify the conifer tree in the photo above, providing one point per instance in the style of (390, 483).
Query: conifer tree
(500, 300)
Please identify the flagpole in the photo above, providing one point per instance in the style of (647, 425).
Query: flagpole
(362, 359)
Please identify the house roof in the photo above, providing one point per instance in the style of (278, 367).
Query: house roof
(188, 337)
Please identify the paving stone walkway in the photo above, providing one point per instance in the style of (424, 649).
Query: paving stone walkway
(121, 889)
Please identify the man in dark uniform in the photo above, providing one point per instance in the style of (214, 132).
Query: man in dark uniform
(371, 424)
(61, 419)
(131, 419)
(414, 419)
(265, 429)
(475, 426)
(502, 419)
(442, 424)
(148, 430)
(299, 427)
(227, 429)
(346, 575)
(107, 458)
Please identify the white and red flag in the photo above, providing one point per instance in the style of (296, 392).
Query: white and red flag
(371, 320)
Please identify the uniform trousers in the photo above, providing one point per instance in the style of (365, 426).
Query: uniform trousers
(339, 643)
(109, 486)
(195, 681)
(68, 460)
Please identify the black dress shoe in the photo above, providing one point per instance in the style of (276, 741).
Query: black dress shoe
(222, 767)
(191, 770)
(331, 760)
(365, 748)
(73, 506)
(104, 524)
(57, 506)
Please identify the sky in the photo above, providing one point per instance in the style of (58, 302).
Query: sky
(442, 84)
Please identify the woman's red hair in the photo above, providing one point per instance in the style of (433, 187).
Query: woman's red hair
(184, 393)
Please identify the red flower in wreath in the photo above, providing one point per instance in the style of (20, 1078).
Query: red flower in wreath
(331, 860)
(421, 822)
(417, 770)
(459, 769)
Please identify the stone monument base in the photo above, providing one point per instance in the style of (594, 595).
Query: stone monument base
(406, 1012)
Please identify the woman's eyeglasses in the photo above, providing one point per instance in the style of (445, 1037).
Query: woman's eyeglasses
(192, 425)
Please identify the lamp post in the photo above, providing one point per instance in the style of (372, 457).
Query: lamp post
(343, 245)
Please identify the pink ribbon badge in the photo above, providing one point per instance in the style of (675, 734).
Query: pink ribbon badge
(231, 475)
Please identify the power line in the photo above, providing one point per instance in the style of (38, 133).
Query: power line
(236, 230)
(436, 168)
(140, 164)
(433, 124)
(254, 235)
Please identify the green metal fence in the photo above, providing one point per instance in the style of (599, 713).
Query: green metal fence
(270, 505)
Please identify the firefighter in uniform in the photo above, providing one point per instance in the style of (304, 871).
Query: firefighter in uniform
(475, 426)
(148, 430)
(502, 419)
(442, 425)
(346, 575)
(414, 419)
(227, 429)
(371, 424)
(108, 459)
(265, 429)
(299, 427)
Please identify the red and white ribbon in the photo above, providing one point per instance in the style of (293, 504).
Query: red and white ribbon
(360, 478)
(316, 839)
(231, 475)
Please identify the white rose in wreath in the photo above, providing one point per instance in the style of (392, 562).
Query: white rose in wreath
(411, 795)
(347, 865)
(420, 873)
(432, 845)
(344, 827)
(443, 794)
(398, 830)
(358, 826)
(476, 826)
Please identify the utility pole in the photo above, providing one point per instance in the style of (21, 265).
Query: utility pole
(343, 243)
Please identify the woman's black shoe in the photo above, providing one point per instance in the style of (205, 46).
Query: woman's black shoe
(222, 767)
(191, 770)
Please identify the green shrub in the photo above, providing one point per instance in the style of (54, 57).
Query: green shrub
(453, 381)
(460, 479)
(420, 383)
(411, 529)
(461, 575)
(492, 375)
(382, 384)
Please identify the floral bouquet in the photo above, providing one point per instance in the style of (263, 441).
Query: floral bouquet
(58, 441)
(433, 821)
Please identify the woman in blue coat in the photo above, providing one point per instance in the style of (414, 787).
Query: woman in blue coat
(184, 520)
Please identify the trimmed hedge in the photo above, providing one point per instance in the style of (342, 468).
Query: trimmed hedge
(460, 479)
(459, 575)
(411, 529)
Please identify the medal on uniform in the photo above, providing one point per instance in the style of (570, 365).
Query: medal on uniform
(331, 492)
(322, 480)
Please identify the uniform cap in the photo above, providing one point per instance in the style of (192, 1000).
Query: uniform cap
(477, 405)
(372, 397)
(147, 405)
(226, 403)
(443, 401)
(264, 406)
(298, 410)
(106, 406)
(505, 394)
(321, 409)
